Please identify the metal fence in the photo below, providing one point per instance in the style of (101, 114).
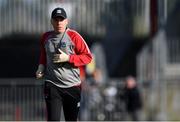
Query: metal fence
(158, 65)
(22, 99)
(158, 70)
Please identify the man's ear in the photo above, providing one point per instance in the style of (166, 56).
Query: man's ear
(66, 21)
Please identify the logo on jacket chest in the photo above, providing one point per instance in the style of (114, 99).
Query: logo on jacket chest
(63, 45)
(54, 45)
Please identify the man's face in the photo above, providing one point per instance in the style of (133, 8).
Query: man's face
(59, 24)
(131, 83)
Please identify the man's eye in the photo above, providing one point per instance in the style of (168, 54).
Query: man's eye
(59, 19)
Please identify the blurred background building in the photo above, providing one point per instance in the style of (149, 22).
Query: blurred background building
(127, 37)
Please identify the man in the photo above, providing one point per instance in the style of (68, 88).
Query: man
(133, 98)
(63, 51)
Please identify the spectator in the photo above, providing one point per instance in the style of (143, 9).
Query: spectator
(133, 99)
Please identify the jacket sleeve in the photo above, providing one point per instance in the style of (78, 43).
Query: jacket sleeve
(42, 59)
(82, 54)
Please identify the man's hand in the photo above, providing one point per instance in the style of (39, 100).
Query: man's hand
(39, 72)
(62, 57)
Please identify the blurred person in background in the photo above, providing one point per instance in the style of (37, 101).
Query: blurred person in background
(91, 96)
(133, 100)
(100, 70)
(91, 78)
(62, 52)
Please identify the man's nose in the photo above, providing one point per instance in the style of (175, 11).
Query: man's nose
(58, 22)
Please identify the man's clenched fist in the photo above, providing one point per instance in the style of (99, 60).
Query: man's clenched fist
(39, 72)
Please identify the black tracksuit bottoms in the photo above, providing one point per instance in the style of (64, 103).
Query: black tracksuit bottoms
(66, 98)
